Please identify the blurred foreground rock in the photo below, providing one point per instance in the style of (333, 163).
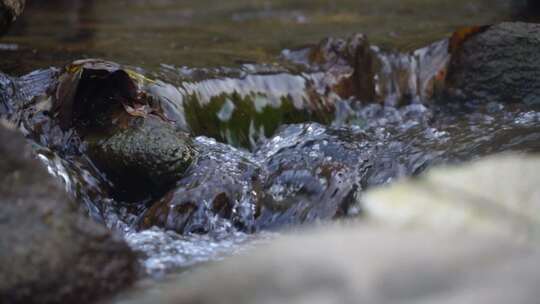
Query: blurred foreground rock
(374, 262)
(9, 11)
(49, 253)
(362, 264)
(498, 195)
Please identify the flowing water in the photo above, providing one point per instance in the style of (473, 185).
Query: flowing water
(234, 74)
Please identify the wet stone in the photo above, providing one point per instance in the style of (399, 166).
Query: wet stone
(218, 192)
(128, 126)
(495, 196)
(145, 158)
(313, 173)
(49, 252)
(107, 115)
(304, 174)
(500, 64)
(353, 59)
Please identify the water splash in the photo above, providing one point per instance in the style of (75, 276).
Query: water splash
(408, 78)
(166, 251)
(298, 171)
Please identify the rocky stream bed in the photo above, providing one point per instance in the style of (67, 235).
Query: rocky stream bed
(345, 171)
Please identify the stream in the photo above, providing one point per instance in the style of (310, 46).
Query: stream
(282, 140)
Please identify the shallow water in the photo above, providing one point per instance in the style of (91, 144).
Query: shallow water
(167, 251)
(375, 146)
(211, 34)
(365, 145)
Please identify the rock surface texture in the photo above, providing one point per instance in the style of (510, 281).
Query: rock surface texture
(497, 196)
(500, 64)
(49, 253)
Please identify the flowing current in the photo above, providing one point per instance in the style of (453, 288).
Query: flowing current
(393, 142)
(299, 113)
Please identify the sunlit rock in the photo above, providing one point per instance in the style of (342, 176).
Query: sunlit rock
(496, 196)
(357, 263)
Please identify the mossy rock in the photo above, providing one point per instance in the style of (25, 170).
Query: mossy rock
(145, 158)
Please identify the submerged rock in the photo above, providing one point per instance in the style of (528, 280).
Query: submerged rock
(498, 64)
(365, 73)
(9, 11)
(49, 252)
(217, 193)
(312, 173)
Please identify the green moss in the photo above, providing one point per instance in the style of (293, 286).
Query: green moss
(237, 120)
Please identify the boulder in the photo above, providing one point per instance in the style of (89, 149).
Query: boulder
(127, 135)
(49, 252)
(218, 192)
(500, 63)
(495, 196)
(146, 158)
(360, 264)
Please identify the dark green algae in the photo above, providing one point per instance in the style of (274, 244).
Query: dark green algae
(246, 125)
